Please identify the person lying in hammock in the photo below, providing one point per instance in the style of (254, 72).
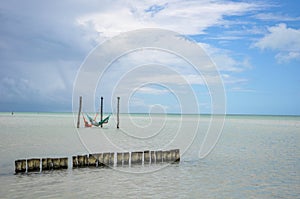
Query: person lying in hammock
(86, 123)
(95, 123)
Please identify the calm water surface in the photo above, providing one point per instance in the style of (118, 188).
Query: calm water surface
(256, 157)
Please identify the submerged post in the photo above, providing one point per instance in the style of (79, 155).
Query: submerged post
(79, 112)
(101, 111)
(118, 112)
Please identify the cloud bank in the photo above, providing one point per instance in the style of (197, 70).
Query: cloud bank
(285, 41)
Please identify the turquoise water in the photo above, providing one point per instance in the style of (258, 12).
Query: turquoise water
(256, 157)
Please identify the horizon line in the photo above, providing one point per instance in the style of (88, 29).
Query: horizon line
(141, 113)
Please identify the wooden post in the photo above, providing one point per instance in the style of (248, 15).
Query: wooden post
(100, 160)
(112, 159)
(146, 157)
(56, 163)
(125, 158)
(153, 157)
(106, 158)
(20, 166)
(75, 161)
(119, 159)
(158, 155)
(169, 156)
(118, 112)
(101, 111)
(44, 164)
(164, 156)
(82, 160)
(92, 160)
(63, 163)
(33, 165)
(136, 157)
(177, 155)
(49, 163)
(79, 112)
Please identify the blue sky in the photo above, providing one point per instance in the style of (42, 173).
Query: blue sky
(254, 44)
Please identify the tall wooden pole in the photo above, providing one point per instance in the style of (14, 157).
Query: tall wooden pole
(79, 112)
(101, 111)
(118, 112)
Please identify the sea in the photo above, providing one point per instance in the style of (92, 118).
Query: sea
(249, 156)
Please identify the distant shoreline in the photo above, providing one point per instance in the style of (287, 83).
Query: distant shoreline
(187, 114)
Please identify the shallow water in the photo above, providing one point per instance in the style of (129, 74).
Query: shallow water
(256, 157)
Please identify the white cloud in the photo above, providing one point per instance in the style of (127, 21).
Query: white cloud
(228, 79)
(275, 17)
(151, 91)
(187, 17)
(225, 61)
(240, 89)
(284, 40)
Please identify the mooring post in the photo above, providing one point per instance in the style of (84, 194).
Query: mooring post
(101, 111)
(118, 112)
(79, 112)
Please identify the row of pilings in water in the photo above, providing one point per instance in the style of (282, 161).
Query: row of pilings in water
(98, 160)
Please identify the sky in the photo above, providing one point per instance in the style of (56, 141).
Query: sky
(255, 46)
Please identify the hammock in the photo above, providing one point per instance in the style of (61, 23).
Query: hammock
(95, 123)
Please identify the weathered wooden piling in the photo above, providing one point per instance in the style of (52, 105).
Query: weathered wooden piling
(140, 156)
(164, 156)
(153, 157)
(82, 160)
(125, 158)
(96, 156)
(101, 110)
(20, 166)
(56, 163)
(100, 159)
(44, 164)
(177, 155)
(173, 155)
(79, 111)
(106, 158)
(49, 163)
(75, 161)
(92, 161)
(119, 159)
(158, 155)
(118, 112)
(33, 165)
(112, 159)
(146, 157)
(63, 163)
(136, 157)
(168, 156)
